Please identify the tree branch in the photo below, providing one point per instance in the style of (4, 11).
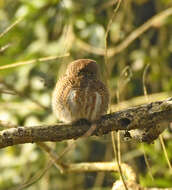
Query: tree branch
(149, 119)
(155, 21)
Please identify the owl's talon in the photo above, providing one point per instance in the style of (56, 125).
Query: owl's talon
(82, 122)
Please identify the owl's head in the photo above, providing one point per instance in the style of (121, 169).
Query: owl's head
(86, 67)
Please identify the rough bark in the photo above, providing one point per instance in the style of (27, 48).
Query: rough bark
(143, 123)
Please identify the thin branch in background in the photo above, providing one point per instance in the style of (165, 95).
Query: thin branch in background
(147, 100)
(44, 59)
(42, 145)
(5, 91)
(160, 136)
(105, 6)
(108, 29)
(101, 175)
(52, 155)
(70, 146)
(22, 95)
(56, 159)
(101, 166)
(83, 167)
(3, 48)
(67, 38)
(89, 48)
(152, 22)
(35, 178)
(115, 149)
(39, 60)
(165, 152)
(157, 19)
(144, 82)
(11, 27)
(115, 145)
(124, 78)
(38, 175)
(147, 162)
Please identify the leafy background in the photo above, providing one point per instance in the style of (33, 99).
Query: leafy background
(54, 27)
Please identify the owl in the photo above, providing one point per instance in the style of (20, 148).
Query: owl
(80, 93)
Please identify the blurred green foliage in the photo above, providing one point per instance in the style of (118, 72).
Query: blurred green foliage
(54, 27)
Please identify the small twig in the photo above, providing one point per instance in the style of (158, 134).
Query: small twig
(70, 146)
(87, 47)
(144, 82)
(4, 91)
(165, 152)
(39, 60)
(52, 155)
(37, 176)
(101, 166)
(3, 48)
(10, 27)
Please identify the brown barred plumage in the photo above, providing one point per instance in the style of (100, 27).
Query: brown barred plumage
(80, 94)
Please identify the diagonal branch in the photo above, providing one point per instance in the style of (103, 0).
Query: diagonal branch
(155, 21)
(150, 119)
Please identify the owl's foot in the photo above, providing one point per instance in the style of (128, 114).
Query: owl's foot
(82, 122)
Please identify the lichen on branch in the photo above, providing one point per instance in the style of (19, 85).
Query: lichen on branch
(143, 123)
